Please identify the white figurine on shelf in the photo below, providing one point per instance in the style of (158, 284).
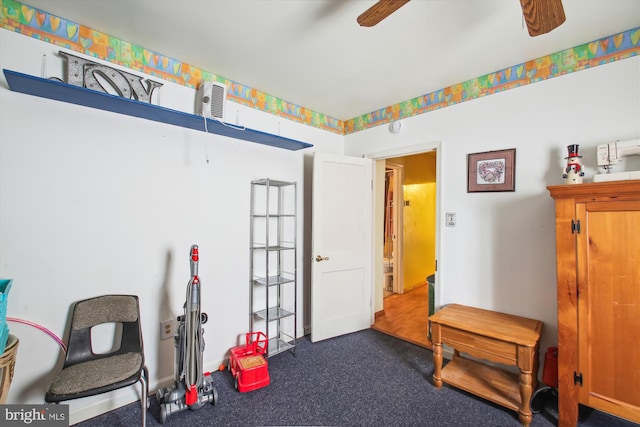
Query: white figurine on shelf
(573, 172)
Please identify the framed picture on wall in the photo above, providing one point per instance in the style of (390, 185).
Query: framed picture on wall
(491, 171)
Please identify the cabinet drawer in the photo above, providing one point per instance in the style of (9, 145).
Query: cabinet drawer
(480, 346)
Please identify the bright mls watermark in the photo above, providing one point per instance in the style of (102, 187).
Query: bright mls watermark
(34, 415)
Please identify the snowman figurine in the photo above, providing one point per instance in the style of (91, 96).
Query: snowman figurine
(573, 172)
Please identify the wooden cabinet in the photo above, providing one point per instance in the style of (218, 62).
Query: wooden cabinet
(598, 281)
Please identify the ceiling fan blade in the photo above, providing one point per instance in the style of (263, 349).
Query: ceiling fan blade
(379, 11)
(542, 16)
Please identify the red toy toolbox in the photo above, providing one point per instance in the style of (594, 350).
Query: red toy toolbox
(248, 365)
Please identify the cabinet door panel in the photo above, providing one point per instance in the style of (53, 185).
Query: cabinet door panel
(609, 307)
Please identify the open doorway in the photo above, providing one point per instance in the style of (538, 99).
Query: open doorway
(409, 243)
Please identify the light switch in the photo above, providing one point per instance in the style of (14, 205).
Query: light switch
(450, 219)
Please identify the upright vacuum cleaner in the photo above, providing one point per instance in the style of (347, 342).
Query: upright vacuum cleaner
(192, 388)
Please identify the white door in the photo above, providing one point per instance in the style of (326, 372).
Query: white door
(341, 268)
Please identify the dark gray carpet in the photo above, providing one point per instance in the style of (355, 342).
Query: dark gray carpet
(362, 379)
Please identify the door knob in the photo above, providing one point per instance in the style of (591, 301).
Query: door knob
(321, 258)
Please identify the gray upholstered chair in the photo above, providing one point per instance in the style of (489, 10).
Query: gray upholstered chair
(86, 373)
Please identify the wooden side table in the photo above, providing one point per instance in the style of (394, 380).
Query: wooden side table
(497, 337)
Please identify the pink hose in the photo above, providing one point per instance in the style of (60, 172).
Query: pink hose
(42, 328)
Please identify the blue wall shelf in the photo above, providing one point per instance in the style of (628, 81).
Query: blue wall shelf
(64, 92)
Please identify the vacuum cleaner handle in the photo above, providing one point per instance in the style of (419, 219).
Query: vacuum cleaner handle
(194, 260)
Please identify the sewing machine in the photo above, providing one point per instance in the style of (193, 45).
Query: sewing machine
(611, 154)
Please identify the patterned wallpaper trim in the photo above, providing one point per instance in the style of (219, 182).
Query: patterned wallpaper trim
(598, 52)
(41, 25)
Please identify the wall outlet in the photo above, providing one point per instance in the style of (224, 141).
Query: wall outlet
(167, 329)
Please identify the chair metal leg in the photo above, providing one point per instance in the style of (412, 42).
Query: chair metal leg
(144, 385)
(146, 375)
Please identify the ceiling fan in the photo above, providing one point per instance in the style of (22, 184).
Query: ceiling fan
(541, 16)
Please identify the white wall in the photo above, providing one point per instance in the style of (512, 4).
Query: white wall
(95, 202)
(501, 254)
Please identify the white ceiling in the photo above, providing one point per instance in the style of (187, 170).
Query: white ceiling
(314, 54)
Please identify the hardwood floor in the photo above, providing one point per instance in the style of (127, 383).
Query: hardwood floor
(405, 316)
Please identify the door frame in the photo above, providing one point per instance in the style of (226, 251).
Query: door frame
(398, 227)
(378, 227)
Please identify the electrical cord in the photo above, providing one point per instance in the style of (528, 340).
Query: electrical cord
(229, 125)
(206, 129)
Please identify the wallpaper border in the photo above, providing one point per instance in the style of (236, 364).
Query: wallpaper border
(32, 22)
